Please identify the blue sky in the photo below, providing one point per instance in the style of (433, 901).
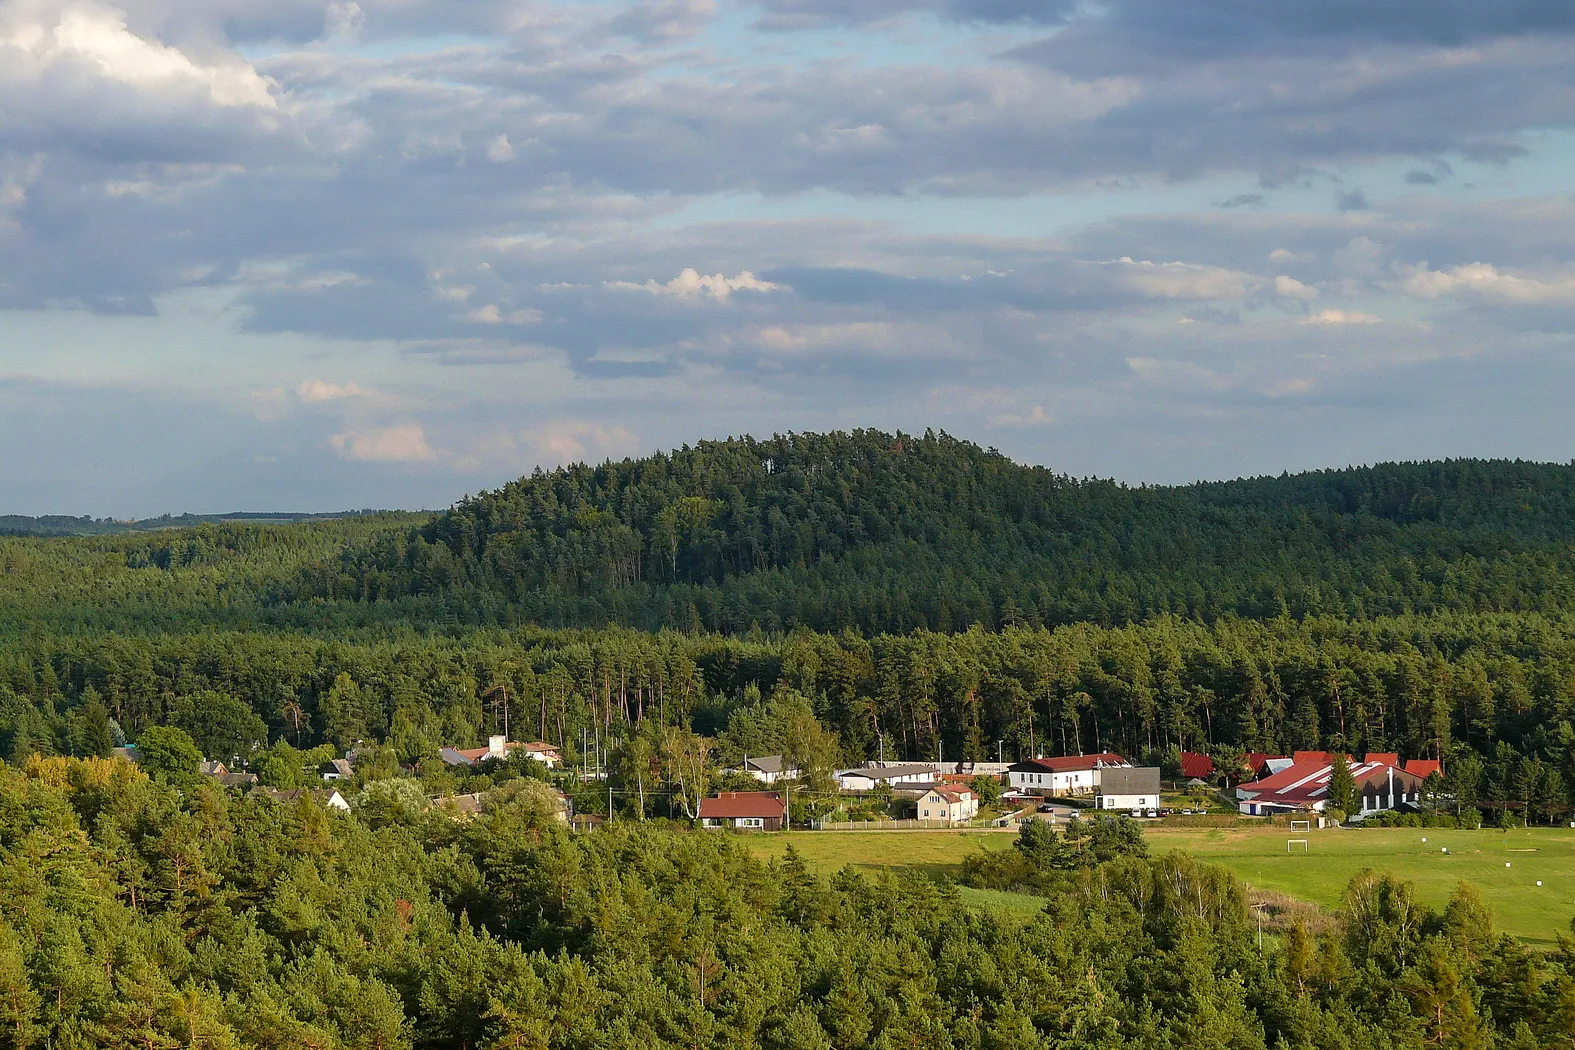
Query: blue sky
(309, 255)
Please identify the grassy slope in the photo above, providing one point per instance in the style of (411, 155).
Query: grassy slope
(1259, 857)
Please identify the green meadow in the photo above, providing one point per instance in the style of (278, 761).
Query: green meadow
(1259, 856)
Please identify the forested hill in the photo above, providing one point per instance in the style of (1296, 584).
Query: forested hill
(893, 532)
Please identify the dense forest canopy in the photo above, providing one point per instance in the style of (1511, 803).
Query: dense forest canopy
(892, 532)
(136, 916)
(914, 593)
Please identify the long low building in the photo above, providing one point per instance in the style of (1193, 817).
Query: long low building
(866, 778)
(1067, 775)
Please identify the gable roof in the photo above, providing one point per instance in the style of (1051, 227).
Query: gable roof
(1129, 780)
(1422, 767)
(1069, 763)
(766, 764)
(951, 793)
(1195, 766)
(730, 805)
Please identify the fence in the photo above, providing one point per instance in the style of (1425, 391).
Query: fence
(879, 825)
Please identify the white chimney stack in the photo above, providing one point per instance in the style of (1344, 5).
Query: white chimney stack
(496, 746)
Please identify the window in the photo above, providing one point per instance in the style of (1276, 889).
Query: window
(750, 822)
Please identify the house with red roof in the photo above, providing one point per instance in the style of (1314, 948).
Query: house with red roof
(744, 810)
(951, 803)
(1195, 766)
(1382, 783)
(1067, 775)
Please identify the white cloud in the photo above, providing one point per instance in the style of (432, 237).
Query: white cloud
(491, 314)
(1340, 317)
(499, 150)
(97, 38)
(404, 443)
(691, 284)
(1486, 282)
(1290, 288)
(316, 390)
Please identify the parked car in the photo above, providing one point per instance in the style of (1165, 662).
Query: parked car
(1047, 808)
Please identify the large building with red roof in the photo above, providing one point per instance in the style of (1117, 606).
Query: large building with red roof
(1067, 775)
(1382, 783)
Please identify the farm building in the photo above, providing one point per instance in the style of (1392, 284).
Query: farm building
(1128, 787)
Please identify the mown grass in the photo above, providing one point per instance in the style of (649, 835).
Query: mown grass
(1258, 855)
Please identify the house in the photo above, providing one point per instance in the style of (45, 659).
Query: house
(1195, 766)
(499, 748)
(336, 769)
(1128, 787)
(209, 768)
(1069, 775)
(769, 769)
(745, 810)
(237, 780)
(586, 822)
(1382, 783)
(326, 797)
(950, 803)
(865, 778)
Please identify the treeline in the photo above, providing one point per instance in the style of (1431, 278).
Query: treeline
(137, 917)
(1501, 687)
(894, 532)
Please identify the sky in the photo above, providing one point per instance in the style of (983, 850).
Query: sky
(299, 255)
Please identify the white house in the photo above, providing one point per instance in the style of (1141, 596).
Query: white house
(498, 748)
(867, 777)
(1069, 775)
(1124, 788)
(952, 803)
(769, 769)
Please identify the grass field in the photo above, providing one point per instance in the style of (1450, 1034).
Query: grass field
(1258, 856)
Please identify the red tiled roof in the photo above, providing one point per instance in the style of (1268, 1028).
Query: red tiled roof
(1424, 766)
(730, 805)
(1076, 763)
(1194, 765)
(952, 793)
(1388, 758)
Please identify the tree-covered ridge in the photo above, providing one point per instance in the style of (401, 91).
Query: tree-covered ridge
(137, 916)
(894, 532)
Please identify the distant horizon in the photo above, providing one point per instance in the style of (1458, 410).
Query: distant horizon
(1129, 483)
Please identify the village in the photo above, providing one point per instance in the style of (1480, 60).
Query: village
(757, 794)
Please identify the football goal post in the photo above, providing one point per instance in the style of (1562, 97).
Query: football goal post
(1296, 842)
(1301, 825)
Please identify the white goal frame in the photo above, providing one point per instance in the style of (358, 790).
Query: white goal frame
(1306, 846)
(1301, 825)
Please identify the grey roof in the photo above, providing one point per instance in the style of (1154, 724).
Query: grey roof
(766, 764)
(1135, 780)
(891, 772)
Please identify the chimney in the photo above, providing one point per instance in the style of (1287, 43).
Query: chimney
(496, 746)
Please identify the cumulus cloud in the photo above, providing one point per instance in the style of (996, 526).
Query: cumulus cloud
(1485, 282)
(1335, 316)
(94, 40)
(402, 443)
(691, 284)
(1291, 288)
